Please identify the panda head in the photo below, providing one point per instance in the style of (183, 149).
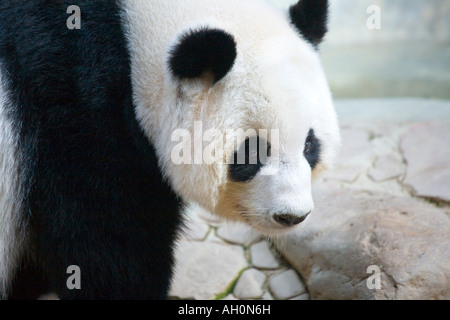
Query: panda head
(246, 89)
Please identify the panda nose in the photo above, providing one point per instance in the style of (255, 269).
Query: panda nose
(290, 220)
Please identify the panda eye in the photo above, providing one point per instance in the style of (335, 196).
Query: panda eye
(308, 146)
(312, 149)
(249, 159)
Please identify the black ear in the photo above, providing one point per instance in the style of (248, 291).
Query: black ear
(310, 17)
(203, 50)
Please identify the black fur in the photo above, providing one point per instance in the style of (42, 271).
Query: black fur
(249, 159)
(312, 149)
(201, 51)
(92, 192)
(310, 17)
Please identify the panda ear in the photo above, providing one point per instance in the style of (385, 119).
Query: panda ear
(201, 51)
(310, 17)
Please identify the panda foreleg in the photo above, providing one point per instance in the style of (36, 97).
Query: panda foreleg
(128, 257)
(29, 282)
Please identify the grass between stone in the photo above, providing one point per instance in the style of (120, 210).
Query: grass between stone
(230, 287)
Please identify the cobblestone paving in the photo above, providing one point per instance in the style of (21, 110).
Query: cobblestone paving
(219, 260)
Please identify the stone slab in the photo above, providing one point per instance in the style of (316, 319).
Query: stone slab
(205, 269)
(407, 239)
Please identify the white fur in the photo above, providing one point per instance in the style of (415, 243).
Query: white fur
(10, 238)
(277, 82)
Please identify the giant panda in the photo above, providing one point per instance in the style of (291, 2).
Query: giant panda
(87, 122)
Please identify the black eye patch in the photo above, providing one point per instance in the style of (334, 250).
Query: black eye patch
(312, 149)
(249, 159)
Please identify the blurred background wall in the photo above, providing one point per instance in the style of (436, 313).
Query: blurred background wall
(408, 56)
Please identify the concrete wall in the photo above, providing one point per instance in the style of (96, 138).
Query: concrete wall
(401, 20)
(408, 56)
